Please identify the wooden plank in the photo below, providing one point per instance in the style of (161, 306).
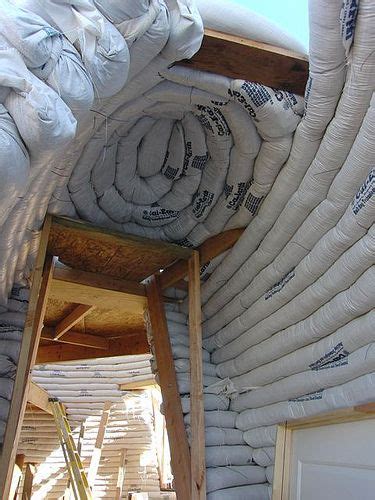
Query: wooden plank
(96, 280)
(210, 249)
(39, 397)
(72, 319)
(16, 477)
(99, 297)
(76, 338)
(140, 384)
(238, 57)
(97, 452)
(134, 343)
(367, 408)
(120, 475)
(180, 454)
(197, 444)
(28, 482)
(278, 474)
(41, 280)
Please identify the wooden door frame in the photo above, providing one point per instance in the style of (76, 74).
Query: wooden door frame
(284, 441)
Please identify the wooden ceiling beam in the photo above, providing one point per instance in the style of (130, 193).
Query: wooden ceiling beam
(210, 249)
(76, 338)
(129, 344)
(72, 319)
(238, 57)
(97, 296)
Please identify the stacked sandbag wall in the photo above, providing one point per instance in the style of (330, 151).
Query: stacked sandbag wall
(289, 312)
(95, 125)
(84, 388)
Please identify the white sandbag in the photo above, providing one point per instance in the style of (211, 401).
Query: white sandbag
(269, 473)
(261, 437)
(225, 477)
(14, 165)
(6, 388)
(211, 402)
(217, 456)
(345, 306)
(264, 456)
(48, 55)
(217, 436)
(102, 48)
(328, 350)
(355, 392)
(250, 492)
(217, 418)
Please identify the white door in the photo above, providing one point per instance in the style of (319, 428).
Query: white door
(333, 462)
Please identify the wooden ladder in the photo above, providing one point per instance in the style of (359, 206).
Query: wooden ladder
(77, 474)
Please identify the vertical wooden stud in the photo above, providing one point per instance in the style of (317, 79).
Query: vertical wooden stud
(41, 280)
(197, 447)
(180, 454)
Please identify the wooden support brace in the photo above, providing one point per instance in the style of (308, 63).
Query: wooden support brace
(16, 477)
(39, 397)
(180, 454)
(76, 338)
(210, 249)
(97, 453)
(28, 482)
(197, 446)
(72, 319)
(42, 276)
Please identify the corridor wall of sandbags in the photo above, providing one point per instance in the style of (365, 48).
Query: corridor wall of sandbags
(122, 139)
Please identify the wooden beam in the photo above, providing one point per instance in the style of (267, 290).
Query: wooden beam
(120, 475)
(28, 482)
(210, 249)
(100, 297)
(96, 280)
(72, 319)
(97, 452)
(134, 343)
(41, 280)
(180, 454)
(197, 444)
(39, 397)
(140, 384)
(238, 57)
(76, 338)
(16, 477)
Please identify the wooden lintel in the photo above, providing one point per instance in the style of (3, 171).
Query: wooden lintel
(39, 397)
(179, 447)
(139, 384)
(76, 338)
(72, 319)
(100, 297)
(41, 280)
(197, 444)
(129, 344)
(210, 249)
(97, 280)
(238, 57)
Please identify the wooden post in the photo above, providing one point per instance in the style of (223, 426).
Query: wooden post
(197, 445)
(28, 482)
(41, 279)
(16, 477)
(180, 454)
(95, 458)
(120, 475)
